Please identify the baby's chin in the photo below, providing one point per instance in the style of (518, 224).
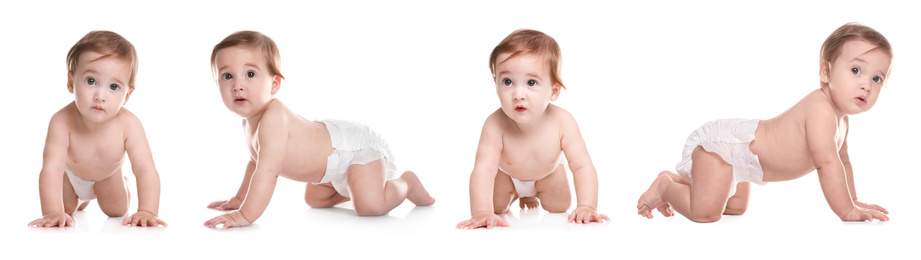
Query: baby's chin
(98, 116)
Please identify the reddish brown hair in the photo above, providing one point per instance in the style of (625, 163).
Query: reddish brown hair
(831, 48)
(109, 44)
(524, 41)
(255, 40)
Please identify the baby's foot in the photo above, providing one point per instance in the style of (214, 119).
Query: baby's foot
(417, 193)
(529, 202)
(651, 199)
(83, 205)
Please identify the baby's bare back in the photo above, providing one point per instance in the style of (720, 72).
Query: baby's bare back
(307, 144)
(781, 143)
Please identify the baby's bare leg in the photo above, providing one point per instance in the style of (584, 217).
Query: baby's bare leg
(738, 203)
(705, 199)
(652, 198)
(112, 195)
(322, 196)
(71, 201)
(503, 193)
(373, 195)
(553, 191)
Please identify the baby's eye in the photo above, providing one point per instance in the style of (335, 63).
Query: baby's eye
(507, 82)
(227, 76)
(250, 74)
(877, 79)
(855, 71)
(532, 83)
(113, 87)
(90, 81)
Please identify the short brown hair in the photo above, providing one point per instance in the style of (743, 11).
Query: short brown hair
(530, 42)
(254, 40)
(109, 44)
(831, 48)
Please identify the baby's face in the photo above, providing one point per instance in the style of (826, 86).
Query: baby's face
(245, 82)
(524, 87)
(100, 86)
(857, 76)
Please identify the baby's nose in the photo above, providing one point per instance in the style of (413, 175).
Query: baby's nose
(100, 96)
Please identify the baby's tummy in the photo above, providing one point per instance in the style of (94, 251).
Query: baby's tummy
(784, 167)
(528, 172)
(91, 173)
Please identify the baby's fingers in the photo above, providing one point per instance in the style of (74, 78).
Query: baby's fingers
(216, 204)
(877, 215)
(602, 217)
(877, 207)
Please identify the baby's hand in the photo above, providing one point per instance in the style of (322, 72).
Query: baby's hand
(232, 219)
(231, 204)
(862, 214)
(871, 206)
(52, 219)
(144, 219)
(487, 220)
(585, 215)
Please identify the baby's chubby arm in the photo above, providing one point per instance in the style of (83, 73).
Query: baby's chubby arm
(235, 202)
(821, 128)
(846, 160)
(272, 140)
(585, 178)
(483, 178)
(51, 178)
(145, 172)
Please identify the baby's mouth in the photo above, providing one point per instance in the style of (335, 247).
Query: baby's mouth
(520, 109)
(239, 101)
(861, 100)
(98, 108)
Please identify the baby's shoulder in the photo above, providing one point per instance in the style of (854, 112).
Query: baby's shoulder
(816, 105)
(126, 119)
(275, 117)
(64, 119)
(560, 117)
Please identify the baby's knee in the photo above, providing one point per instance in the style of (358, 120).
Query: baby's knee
(115, 211)
(314, 203)
(555, 207)
(732, 211)
(706, 218)
(499, 209)
(370, 210)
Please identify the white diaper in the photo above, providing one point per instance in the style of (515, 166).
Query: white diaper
(527, 188)
(730, 139)
(84, 189)
(354, 144)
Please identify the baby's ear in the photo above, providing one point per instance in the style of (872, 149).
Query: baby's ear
(276, 84)
(557, 88)
(824, 70)
(70, 82)
(130, 90)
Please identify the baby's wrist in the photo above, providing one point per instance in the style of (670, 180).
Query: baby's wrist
(44, 214)
(586, 206)
(148, 212)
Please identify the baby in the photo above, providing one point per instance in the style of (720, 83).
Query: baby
(339, 160)
(521, 146)
(87, 139)
(722, 157)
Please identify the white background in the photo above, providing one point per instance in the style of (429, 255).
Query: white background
(640, 78)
